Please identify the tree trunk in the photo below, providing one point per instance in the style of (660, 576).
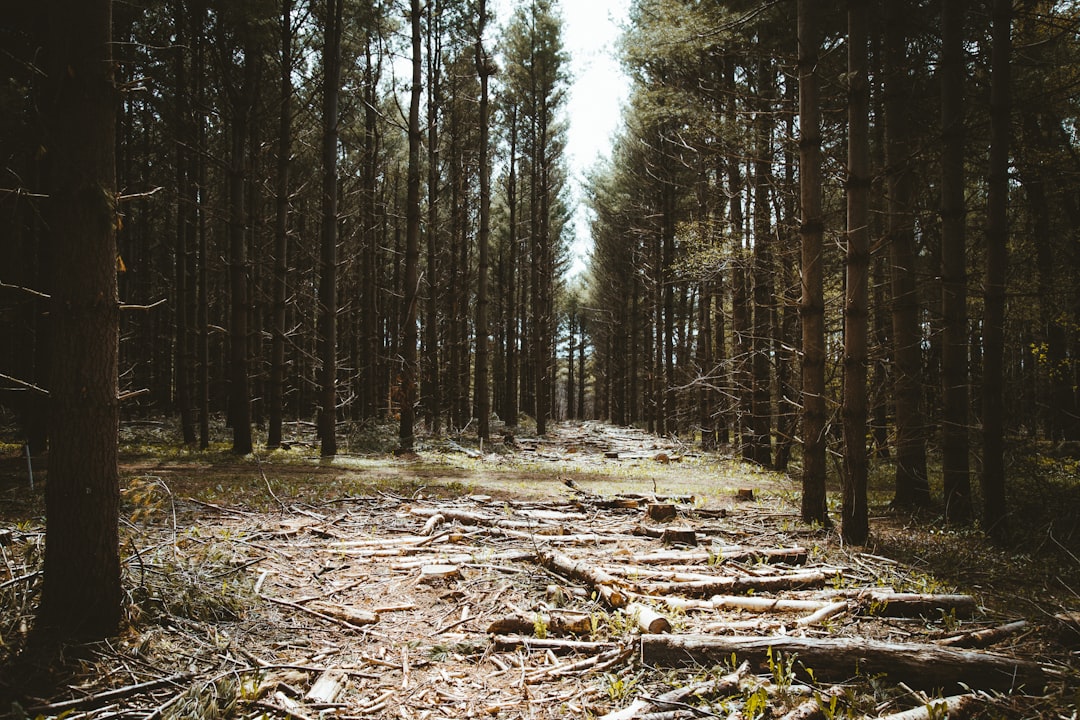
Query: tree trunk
(482, 382)
(812, 306)
(328, 255)
(82, 596)
(912, 488)
(761, 365)
(281, 232)
(954, 352)
(854, 514)
(918, 665)
(432, 392)
(997, 237)
(407, 383)
(242, 103)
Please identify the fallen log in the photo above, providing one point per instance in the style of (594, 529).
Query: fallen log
(603, 583)
(732, 585)
(542, 624)
(922, 665)
(753, 603)
(955, 707)
(511, 642)
(983, 638)
(718, 688)
(887, 604)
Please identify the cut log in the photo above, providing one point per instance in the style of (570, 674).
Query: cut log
(719, 688)
(557, 624)
(819, 616)
(956, 707)
(438, 573)
(791, 556)
(327, 688)
(887, 604)
(753, 603)
(647, 619)
(731, 585)
(604, 584)
(985, 637)
(661, 511)
(679, 536)
(921, 665)
(351, 615)
(510, 642)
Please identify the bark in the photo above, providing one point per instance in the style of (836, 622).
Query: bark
(281, 232)
(854, 514)
(761, 403)
(432, 391)
(510, 392)
(407, 385)
(328, 304)
(911, 483)
(997, 258)
(918, 665)
(82, 595)
(955, 465)
(482, 381)
(812, 305)
(185, 233)
(242, 102)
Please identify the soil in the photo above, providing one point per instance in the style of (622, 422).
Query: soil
(517, 581)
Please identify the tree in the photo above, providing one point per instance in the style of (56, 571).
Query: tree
(955, 470)
(328, 306)
(997, 238)
(481, 385)
(82, 595)
(281, 229)
(409, 370)
(854, 519)
(812, 304)
(912, 486)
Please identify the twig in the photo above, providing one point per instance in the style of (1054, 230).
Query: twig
(107, 696)
(21, 578)
(316, 613)
(129, 306)
(25, 385)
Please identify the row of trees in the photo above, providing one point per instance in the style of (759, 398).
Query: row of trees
(343, 210)
(822, 229)
(271, 209)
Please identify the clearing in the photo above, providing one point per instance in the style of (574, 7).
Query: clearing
(598, 572)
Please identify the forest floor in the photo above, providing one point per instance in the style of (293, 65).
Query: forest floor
(596, 572)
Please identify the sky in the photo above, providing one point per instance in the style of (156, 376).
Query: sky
(591, 30)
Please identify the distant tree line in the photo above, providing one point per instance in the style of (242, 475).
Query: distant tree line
(306, 229)
(845, 230)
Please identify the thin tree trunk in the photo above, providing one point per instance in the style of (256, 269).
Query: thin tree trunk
(912, 488)
(955, 468)
(242, 101)
(812, 306)
(185, 231)
(281, 231)
(510, 412)
(482, 382)
(761, 383)
(412, 246)
(854, 517)
(432, 394)
(328, 255)
(997, 237)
